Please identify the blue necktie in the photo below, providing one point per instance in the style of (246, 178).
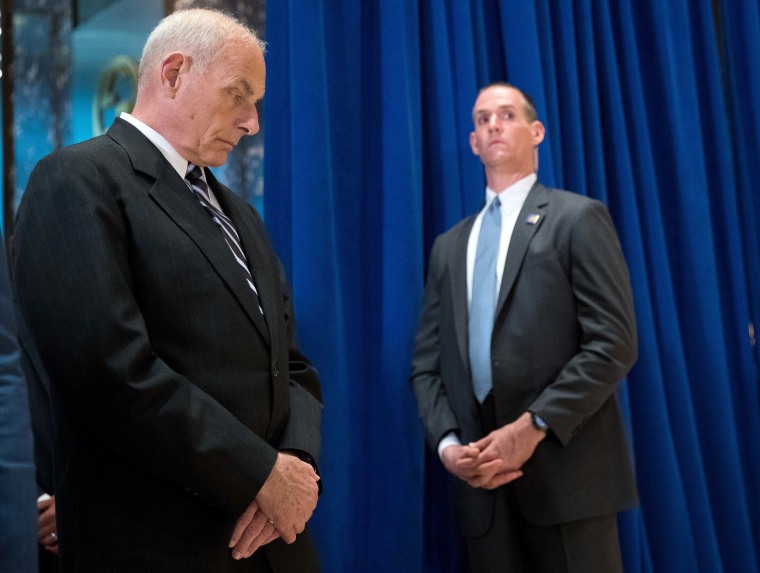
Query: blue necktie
(483, 301)
(194, 179)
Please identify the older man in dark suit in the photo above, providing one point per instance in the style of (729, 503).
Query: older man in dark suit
(526, 330)
(187, 420)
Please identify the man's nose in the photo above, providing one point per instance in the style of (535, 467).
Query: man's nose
(250, 122)
(493, 122)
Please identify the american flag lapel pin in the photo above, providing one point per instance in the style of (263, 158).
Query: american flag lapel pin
(532, 219)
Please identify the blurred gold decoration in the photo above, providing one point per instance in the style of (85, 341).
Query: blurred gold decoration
(117, 92)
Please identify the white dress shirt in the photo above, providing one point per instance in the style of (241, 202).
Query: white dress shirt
(512, 199)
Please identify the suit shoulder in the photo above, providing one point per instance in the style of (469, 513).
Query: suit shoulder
(455, 232)
(573, 204)
(92, 167)
(569, 197)
(84, 148)
(71, 157)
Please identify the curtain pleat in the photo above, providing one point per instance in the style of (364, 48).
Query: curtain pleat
(739, 37)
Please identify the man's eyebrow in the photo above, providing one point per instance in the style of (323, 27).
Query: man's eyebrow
(482, 111)
(243, 84)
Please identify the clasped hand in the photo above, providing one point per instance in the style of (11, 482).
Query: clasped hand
(282, 507)
(496, 459)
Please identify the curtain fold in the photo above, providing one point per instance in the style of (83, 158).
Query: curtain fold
(650, 107)
(739, 36)
(344, 204)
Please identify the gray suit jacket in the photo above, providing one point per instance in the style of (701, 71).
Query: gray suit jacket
(171, 393)
(564, 335)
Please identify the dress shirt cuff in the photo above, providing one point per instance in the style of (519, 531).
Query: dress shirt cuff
(450, 439)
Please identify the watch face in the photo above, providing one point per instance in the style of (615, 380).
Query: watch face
(538, 422)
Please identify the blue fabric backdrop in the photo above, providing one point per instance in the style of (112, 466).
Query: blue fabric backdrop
(652, 107)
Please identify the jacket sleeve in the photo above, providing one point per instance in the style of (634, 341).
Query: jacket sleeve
(18, 510)
(302, 433)
(433, 406)
(608, 346)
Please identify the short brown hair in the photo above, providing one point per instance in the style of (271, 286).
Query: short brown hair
(530, 105)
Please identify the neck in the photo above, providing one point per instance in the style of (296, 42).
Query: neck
(150, 111)
(499, 180)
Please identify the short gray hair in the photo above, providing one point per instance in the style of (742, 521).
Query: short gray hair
(198, 33)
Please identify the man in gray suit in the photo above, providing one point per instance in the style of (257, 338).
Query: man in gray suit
(187, 420)
(527, 328)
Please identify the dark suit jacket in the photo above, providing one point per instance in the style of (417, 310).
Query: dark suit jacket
(18, 493)
(171, 393)
(564, 335)
(38, 386)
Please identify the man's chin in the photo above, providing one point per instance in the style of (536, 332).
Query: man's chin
(216, 160)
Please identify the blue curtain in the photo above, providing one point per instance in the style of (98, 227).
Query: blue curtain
(652, 107)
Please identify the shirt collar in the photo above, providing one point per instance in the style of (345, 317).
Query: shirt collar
(513, 196)
(178, 162)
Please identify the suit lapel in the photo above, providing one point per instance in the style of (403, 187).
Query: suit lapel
(258, 261)
(265, 277)
(172, 195)
(459, 289)
(529, 220)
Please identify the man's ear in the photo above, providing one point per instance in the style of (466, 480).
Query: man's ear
(539, 131)
(474, 143)
(171, 66)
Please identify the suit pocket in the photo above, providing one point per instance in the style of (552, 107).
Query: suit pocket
(547, 258)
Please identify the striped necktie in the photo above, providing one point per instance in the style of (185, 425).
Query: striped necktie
(194, 179)
(483, 301)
